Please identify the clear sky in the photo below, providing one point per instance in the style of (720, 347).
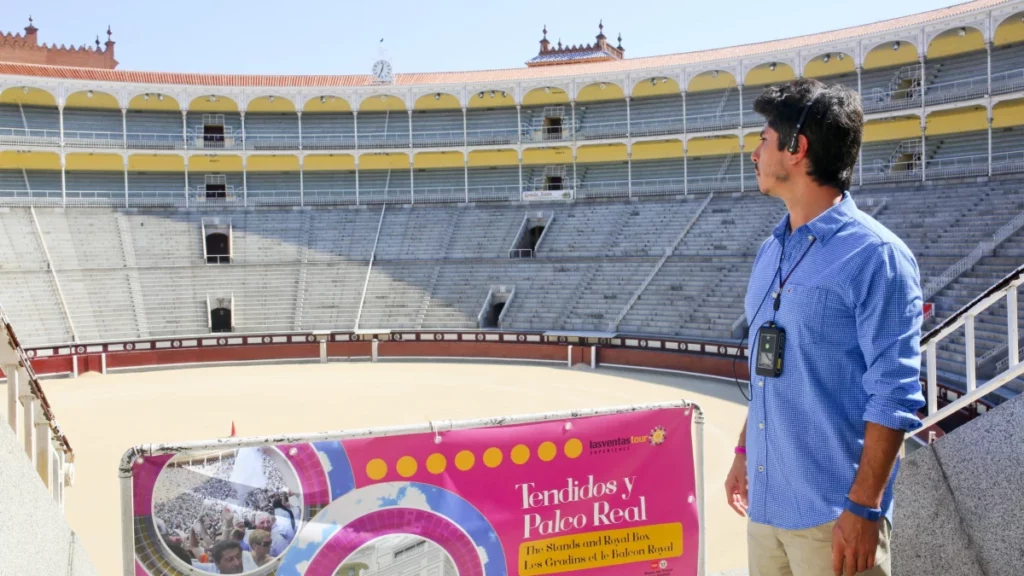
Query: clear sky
(342, 37)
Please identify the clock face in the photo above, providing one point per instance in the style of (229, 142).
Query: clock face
(382, 70)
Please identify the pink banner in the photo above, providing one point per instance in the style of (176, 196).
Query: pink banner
(597, 496)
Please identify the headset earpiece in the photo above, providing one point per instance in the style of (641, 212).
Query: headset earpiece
(794, 144)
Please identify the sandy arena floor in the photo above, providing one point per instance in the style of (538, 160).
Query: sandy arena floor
(104, 415)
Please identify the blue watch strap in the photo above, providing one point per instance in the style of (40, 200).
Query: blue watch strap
(872, 514)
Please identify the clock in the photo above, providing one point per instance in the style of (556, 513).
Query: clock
(382, 71)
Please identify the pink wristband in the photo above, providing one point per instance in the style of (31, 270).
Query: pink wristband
(741, 450)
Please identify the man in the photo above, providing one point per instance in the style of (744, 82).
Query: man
(815, 464)
(227, 557)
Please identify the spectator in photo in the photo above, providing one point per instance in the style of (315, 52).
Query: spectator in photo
(227, 557)
(259, 543)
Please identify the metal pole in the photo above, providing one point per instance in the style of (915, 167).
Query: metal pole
(629, 172)
(698, 457)
(629, 129)
(127, 512)
(465, 174)
(126, 180)
(302, 180)
(63, 179)
(357, 180)
(924, 120)
(1012, 345)
(186, 181)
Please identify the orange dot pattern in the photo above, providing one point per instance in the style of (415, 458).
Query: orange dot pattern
(407, 466)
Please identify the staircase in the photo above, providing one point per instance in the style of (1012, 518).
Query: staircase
(134, 283)
(661, 262)
(427, 296)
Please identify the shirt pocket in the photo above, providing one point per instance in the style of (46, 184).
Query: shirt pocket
(817, 312)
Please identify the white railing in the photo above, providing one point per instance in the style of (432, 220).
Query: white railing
(439, 194)
(328, 141)
(711, 122)
(1009, 81)
(484, 137)
(506, 193)
(878, 100)
(1005, 362)
(599, 130)
(383, 140)
(319, 197)
(547, 133)
(155, 141)
(730, 182)
(271, 141)
(659, 186)
(606, 189)
(29, 137)
(975, 165)
(963, 89)
(965, 318)
(388, 195)
(897, 172)
(197, 141)
(437, 138)
(657, 126)
(93, 139)
(157, 198)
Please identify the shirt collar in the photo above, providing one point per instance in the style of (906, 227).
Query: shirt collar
(826, 224)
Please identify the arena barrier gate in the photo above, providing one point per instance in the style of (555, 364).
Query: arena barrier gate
(594, 492)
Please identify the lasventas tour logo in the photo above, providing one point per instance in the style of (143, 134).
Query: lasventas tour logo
(656, 437)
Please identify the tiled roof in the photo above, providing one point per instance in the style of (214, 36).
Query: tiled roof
(569, 56)
(497, 76)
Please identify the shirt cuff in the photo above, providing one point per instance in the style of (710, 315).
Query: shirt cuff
(891, 415)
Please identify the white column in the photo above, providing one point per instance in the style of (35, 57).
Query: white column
(299, 114)
(242, 115)
(28, 405)
(245, 178)
(13, 393)
(520, 174)
(924, 116)
(357, 180)
(302, 179)
(186, 181)
(629, 121)
(60, 118)
(858, 80)
(572, 110)
(683, 94)
(465, 173)
(465, 137)
(519, 134)
(124, 127)
(988, 58)
(575, 184)
(412, 180)
(742, 170)
(184, 129)
(63, 179)
(410, 128)
(44, 437)
(629, 171)
(355, 133)
(739, 87)
(126, 180)
(686, 175)
(990, 141)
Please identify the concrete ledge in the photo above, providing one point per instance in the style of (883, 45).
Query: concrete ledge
(34, 536)
(928, 535)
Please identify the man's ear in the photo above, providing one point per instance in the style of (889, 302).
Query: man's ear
(801, 149)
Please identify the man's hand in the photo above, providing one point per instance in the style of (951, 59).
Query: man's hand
(854, 542)
(736, 485)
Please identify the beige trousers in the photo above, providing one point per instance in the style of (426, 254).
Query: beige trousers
(777, 552)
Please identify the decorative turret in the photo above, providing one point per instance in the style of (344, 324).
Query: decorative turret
(599, 51)
(26, 49)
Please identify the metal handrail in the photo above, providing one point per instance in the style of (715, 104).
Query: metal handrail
(1007, 287)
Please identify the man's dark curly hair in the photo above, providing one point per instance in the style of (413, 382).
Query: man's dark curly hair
(833, 127)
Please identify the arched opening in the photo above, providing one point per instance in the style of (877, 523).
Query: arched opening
(218, 248)
(220, 320)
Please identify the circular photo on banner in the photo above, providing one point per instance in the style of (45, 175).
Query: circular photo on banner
(398, 554)
(227, 512)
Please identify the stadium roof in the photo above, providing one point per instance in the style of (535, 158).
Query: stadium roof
(502, 75)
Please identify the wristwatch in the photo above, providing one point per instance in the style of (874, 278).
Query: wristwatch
(871, 514)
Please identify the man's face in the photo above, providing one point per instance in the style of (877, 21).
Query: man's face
(264, 522)
(769, 163)
(230, 561)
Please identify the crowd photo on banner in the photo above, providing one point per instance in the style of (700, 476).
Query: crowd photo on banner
(229, 512)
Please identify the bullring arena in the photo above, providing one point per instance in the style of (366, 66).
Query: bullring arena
(200, 257)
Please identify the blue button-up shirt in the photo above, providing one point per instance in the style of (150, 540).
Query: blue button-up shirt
(852, 315)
